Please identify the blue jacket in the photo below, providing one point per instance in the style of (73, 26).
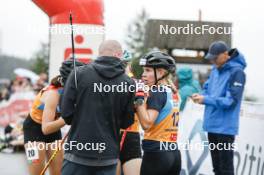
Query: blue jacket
(187, 85)
(223, 94)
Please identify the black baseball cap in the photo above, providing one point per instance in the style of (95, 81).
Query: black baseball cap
(215, 49)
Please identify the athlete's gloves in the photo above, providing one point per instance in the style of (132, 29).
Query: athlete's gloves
(140, 94)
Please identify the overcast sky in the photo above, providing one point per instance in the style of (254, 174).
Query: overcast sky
(18, 17)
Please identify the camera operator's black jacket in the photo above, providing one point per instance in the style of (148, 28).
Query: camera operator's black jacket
(96, 117)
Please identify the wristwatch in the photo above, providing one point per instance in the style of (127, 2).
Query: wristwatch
(139, 102)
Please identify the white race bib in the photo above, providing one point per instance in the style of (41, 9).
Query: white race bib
(32, 153)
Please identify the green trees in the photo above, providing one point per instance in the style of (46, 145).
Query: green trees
(135, 40)
(40, 60)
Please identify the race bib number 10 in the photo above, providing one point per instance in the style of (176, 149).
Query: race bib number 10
(32, 154)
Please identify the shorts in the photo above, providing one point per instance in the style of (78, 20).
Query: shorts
(131, 148)
(161, 163)
(33, 132)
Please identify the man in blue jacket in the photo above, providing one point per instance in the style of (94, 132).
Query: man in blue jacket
(222, 95)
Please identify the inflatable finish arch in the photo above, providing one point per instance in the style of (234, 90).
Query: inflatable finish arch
(88, 29)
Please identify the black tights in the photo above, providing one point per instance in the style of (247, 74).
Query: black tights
(161, 163)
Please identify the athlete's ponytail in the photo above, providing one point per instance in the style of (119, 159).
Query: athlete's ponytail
(57, 81)
(171, 84)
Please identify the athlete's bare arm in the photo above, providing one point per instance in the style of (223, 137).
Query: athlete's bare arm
(49, 123)
(146, 116)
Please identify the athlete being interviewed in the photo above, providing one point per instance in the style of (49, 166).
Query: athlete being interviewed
(42, 126)
(159, 116)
